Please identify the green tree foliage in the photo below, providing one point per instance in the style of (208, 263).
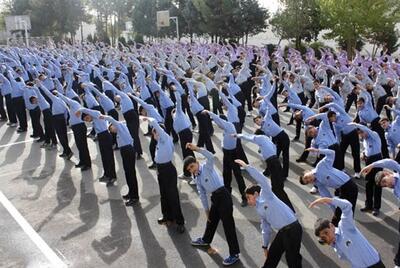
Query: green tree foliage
(50, 17)
(298, 20)
(351, 21)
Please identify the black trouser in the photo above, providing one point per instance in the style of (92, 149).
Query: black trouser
(302, 97)
(351, 139)
(299, 123)
(169, 123)
(240, 97)
(152, 147)
(229, 166)
(114, 114)
(351, 98)
(186, 109)
(169, 195)
(379, 264)
(275, 169)
(49, 132)
(348, 191)
(282, 145)
(222, 209)
(132, 122)
(313, 100)
(12, 117)
(246, 89)
(205, 102)
(186, 136)
(287, 240)
(60, 126)
(128, 162)
(375, 126)
(373, 192)
(79, 131)
(204, 132)
(275, 118)
(96, 108)
(107, 154)
(397, 158)
(338, 163)
(35, 119)
(379, 106)
(19, 108)
(216, 103)
(397, 257)
(2, 110)
(308, 140)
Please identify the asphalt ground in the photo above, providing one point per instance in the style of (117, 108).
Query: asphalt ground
(86, 224)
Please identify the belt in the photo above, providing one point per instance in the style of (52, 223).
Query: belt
(126, 147)
(164, 164)
(374, 155)
(289, 226)
(271, 158)
(219, 190)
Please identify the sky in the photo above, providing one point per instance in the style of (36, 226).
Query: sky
(271, 5)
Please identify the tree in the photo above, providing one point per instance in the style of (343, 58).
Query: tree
(353, 20)
(254, 18)
(298, 20)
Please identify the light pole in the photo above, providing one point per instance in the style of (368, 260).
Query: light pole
(177, 26)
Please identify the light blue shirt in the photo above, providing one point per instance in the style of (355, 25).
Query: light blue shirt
(150, 109)
(74, 106)
(269, 127)
(232, 111)
(326, 176)
(306, 112)
(58, 106)
(123, 135)
(181, 120)
(90, 100)
(273, 212)
(393, 165)
(372, 144)
(228, 142)
(100, 125)
(42, 102)
(195, 105)
(27, 94)
(267, 148)
(165, 146)
(342, 118)
(350, 244)
(208, 180)
(392, 133)
(367, 114)
(104, 100)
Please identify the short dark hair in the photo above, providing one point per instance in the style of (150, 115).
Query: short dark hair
(83, 115)
(383, 120)
(361, 99)
(31, 98)
(252, 189)
(321, 224)
(187, 161)
(301, 180)
(330, 114)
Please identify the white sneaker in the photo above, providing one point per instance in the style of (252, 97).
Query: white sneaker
(314, 190)
(249, 114)
(13, 125)
(193, 182)
(357, 175)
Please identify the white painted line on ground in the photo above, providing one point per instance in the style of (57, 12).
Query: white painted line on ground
(33, 235)
(24, 141)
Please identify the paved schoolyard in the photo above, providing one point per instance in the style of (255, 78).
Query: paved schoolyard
(87, 225)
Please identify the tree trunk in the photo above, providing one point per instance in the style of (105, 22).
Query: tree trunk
(298, 42)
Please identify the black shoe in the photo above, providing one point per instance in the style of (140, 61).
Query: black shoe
(132, 202)
(34, 136)
(83, 168)
(139, 157)
(21, 130)
(295, 139)
(68, 157)
(111, 182)
(104, 179)
(366, 209)
(162, 221)
(300, 160)
(79, 165)
(375, 212)
(126, 197)
(314, 164)
(243, 203)
(176, 141)
(289, 124)
(147, 134)
(153, 166)
(63, 155)
(40, 140)
(2, 119)
(180, 228)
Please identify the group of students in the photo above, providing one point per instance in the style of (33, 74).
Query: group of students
(170, 86)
